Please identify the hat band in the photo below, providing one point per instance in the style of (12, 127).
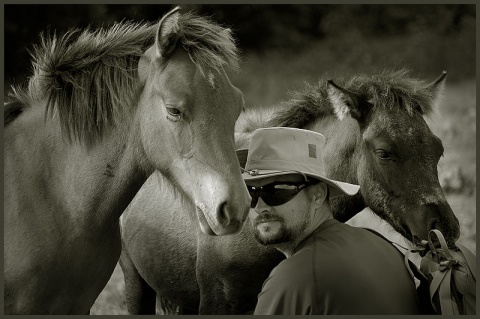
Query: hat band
(281, 165)
(255, 172)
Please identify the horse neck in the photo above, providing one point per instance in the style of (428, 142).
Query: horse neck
(342, 155)
(115, 175)
(122, 175)
(94, 183)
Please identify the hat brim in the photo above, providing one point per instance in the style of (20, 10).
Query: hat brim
(337, 187)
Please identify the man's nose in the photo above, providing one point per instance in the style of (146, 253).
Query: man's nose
(262, 207)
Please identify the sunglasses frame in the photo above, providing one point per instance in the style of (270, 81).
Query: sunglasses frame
(266, 195)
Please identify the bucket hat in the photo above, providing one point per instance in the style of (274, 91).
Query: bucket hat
(279, 151)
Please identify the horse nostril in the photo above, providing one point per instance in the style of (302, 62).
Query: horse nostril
(229, 223)
(222, 213)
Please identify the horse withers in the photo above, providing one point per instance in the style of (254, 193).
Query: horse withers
(102, 111)
(375, 137)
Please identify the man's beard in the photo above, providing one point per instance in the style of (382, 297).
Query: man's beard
(283, 235)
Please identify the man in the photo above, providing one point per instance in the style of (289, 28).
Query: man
(331, 267)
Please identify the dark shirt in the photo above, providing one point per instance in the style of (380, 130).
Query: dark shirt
(340, 269)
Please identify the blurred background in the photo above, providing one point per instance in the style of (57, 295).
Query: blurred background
(282, 46)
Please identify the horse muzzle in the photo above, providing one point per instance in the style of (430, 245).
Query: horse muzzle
(433, 216)
(222, 223)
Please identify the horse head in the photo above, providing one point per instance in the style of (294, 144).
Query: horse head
(396, 152)
(190, 107)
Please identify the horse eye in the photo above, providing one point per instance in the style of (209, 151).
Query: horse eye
(382, 154)
(175, 113)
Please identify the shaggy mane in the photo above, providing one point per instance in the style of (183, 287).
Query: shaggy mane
(208, 44)
(90, 77)
(387, 89)
(12, 109)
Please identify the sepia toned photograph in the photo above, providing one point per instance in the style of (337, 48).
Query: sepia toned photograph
(239, 159)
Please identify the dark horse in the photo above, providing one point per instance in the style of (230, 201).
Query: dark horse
(376, 137)
(103, 110)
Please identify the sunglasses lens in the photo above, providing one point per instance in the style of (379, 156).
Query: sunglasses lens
(274, 194)
(254, 194)
(279, 196)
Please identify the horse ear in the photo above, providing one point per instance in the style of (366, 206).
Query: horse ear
(345, 101)
(437, 86)
(167, 33)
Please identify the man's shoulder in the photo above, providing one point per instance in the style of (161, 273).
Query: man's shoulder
(304, 265)
(292, 279)
(297, 268)
(300, 262)
(290, 289)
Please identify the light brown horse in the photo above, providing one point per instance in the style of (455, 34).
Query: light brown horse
(103, 110)
(376, 137)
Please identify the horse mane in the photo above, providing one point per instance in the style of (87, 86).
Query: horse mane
(90, 77)
(304, 107)
(252, 119)
(387, 89)
(207, 43)
(14, 106)
(12, 109)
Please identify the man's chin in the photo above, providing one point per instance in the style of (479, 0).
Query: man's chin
(269, 237)
(269, 228)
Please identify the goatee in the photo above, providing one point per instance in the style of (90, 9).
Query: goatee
(283, 235)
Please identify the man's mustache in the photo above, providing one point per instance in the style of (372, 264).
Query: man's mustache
(264, 218)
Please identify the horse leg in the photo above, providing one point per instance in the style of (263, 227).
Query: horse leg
(139, 295)
(167, 307)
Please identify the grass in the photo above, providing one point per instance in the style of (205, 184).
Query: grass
(111, 300)
(266, 80)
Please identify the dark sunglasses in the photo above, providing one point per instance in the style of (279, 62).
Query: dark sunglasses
(277, 193)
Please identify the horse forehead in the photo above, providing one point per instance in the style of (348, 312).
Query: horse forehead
(185, 79)
(202, 85)
(399, 125)
(408, 139)
(215, 88)
(203, 78)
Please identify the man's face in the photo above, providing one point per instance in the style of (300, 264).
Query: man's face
(282, 223)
